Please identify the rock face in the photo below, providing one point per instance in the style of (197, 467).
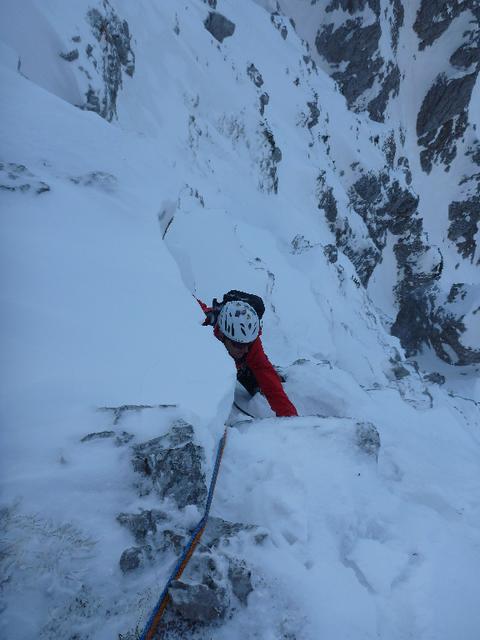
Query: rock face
(103, 62)
(435, 16)
(442, 119)
(382, 204)
(172, 466)
(271, 157)
(464, 224)
(215, 581)
(114, 38)
(351, 47)
(350, 43)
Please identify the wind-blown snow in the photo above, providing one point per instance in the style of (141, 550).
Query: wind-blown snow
(175, 199)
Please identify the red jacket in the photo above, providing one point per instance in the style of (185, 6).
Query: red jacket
(265, 375)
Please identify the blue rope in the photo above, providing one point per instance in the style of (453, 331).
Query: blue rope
(198, 529)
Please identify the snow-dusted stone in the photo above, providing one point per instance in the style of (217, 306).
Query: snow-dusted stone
(134, 558)
(240, 577)
(367, 438)
(100, 179)
(170, 540)
(142, 524)
(264, 100)
(269, 162)
(17, 178)
(120, 439)
(435, 377)
(70, 56)
(219, 26)
(331, 253)
(99, 435)
(173, 465)
(198, 602)
(219, 531)
(254, 75)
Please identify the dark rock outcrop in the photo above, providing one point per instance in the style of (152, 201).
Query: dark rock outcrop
(357, 46)
(464, 220)
(435, 16)
(442, 119)
(383, 206)
(351, 47)
(134, 558)
(367, 438)
(271, 157)
(363, 253)
(219, 26)
(70, 56)
(109, 58)
(121, 438)
(390, 87)
(435, 378)
(254, 75)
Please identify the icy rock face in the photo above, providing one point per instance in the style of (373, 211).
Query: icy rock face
(350, 42)
(426, 316)
(435, 16)
(383, 204)
(173, 466)
(464, 224)
(351, 47)
(104, 60)
(443, 120)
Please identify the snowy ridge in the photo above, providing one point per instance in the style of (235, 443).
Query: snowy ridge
(162, 163)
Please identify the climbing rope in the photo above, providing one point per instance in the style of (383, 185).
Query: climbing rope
(159, 609)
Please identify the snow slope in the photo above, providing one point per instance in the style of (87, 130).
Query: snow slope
(121, 223)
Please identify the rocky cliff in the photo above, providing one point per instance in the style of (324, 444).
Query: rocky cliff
(412, 68)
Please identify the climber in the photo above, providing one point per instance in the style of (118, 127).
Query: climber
(236, 323)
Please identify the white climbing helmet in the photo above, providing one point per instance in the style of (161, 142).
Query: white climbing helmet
(239, 321)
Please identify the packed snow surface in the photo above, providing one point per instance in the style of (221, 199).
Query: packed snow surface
(174, 198)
